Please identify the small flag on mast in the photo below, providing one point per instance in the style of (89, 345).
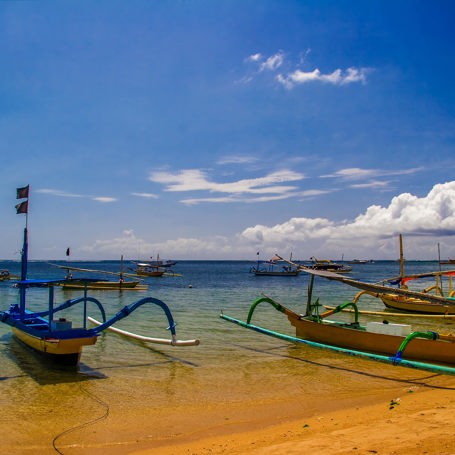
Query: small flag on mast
(22, 207)
(22, 192)
(68, 251)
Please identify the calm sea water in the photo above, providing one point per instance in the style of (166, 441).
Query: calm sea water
(119, 380)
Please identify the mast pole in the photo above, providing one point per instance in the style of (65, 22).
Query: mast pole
(401, 257)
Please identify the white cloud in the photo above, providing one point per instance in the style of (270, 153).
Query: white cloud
(424, 222)
(297, 76)
(145, 195)
(237, 159)
(273, 62)
(356, 173)
(337, 77)
(197, 180)
(60, 193)
(104, 199)
(432, 216)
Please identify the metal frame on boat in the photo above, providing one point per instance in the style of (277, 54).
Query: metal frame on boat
(392, 343)
(45, 331)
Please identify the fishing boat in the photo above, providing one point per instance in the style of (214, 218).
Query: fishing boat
(328, 265)
(5, 275)
(441, 285)
(275, 267)
(49, 332)
(99, 284)
(147, 269)
(447, 262)
(396, 344)
(161, 262)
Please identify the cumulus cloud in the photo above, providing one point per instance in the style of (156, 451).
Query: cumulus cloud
(424, 221)
(297, 76)
(432, 216)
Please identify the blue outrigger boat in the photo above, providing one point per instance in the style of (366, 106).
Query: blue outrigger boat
(54, 336)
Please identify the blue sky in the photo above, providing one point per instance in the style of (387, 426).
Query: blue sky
(217, 129)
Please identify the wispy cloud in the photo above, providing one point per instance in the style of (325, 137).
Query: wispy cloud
(355, 173)
(146, 195)
(60, 193)
(267, 188)
(237, 159)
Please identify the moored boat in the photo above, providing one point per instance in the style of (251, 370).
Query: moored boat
(275, 267)
(49, 333)
(392, 343)
(328, 265)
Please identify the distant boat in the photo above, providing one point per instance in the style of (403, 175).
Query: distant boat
(361, 261)
(48, 334)
(328, 265)
(71, 282)
(147, 269)
(275, 267)
(5, 275)
(449, 261)
(160, 262)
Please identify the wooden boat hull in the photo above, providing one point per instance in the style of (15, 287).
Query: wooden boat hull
(412, 305)
(330, 333)
(65, 351)
(103, 285)
(156, 273)
(271, 273)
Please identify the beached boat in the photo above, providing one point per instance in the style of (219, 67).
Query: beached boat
(46, 332)
(392, 343)
(328, 265)
(275, 267)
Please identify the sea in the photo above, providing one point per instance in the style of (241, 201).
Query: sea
(131, 393)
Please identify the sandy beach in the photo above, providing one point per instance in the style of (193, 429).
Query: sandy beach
(417, 422)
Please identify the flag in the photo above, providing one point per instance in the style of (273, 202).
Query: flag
(22, 192)
(22, 207)
(67, 251)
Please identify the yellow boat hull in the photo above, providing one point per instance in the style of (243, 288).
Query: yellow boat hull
(66, 350)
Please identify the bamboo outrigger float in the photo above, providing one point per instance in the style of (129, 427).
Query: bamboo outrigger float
(51, 335)
(396, 344)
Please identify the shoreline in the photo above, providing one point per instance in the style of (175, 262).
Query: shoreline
(402, 420)
(415, 423)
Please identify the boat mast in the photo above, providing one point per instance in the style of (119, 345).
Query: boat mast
(22, 207)
(401, 257)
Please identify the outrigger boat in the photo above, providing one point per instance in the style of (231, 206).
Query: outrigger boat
(146, 269)
(419, 304)
(5, 275)
(54, 336)
(328, 265)
(272, 267)
(386, 342)
(97, 284)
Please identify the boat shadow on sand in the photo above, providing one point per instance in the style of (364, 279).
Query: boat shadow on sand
(411, 380)
(31, 364)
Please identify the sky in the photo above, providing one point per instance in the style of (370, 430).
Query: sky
(200, 129)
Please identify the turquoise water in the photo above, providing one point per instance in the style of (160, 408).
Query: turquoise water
(121, 382)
